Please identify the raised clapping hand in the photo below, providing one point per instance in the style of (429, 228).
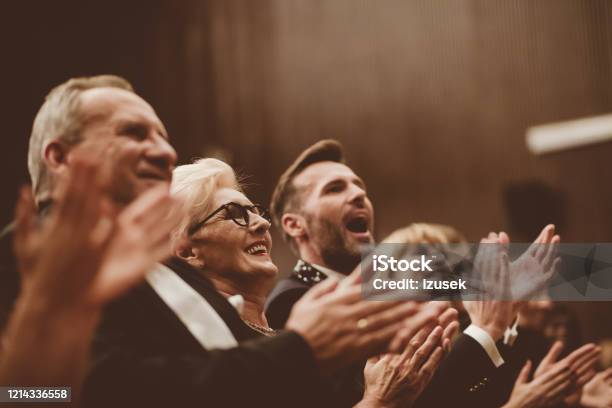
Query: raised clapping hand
(531, 272)
(83, 254)
(492, 310)
(97, 253)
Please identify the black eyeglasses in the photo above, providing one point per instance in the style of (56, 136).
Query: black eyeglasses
(236, 212)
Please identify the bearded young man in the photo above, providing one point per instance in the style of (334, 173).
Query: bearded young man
(321, 208)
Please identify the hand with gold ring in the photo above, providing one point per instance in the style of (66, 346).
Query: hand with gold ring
(397, 380)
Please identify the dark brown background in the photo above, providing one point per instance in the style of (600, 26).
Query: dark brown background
(430, 98)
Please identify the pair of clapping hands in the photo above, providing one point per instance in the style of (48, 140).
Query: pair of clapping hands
(398, 379)
(504, 284)
(87, 251)
(526, 276)
(341, 327)
(557, 380)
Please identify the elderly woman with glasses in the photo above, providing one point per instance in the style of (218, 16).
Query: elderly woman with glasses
(226, 237)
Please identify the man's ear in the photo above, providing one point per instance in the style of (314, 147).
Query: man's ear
(294, 225)
(55, 155)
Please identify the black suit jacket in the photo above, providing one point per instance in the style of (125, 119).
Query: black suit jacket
(347, 385)
(466, 378)
(281, 300)
(288, 291)
(144, 356)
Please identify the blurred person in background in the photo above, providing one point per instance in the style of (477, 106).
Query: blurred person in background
(444, 238)
(426, 233)
(558, 323)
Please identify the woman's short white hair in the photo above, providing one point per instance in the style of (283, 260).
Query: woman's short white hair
(195, 184)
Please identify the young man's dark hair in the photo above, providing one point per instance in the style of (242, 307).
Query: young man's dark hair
(285, 195)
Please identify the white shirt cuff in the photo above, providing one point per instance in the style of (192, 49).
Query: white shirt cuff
(486, 341)
(511, 333)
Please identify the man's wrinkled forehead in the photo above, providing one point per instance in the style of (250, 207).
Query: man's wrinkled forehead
(105, 103)
(320, 173)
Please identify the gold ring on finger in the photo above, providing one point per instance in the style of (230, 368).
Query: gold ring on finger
(362, 323)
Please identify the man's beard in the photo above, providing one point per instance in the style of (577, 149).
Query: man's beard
(334, 250)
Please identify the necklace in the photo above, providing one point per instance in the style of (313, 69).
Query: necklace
(266, 331)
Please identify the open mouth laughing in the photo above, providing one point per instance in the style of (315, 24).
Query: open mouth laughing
(357, 223)
(258, 248)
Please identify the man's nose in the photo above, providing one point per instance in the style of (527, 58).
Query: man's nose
(162, 153)
(357, 195)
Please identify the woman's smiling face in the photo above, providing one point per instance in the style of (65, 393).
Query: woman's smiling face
(224, 248)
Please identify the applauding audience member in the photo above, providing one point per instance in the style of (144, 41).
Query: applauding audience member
(80, 256)
(322, 210)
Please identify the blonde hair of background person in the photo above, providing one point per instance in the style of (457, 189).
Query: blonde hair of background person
(451, 240)
(429, 233)
(424, 233)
